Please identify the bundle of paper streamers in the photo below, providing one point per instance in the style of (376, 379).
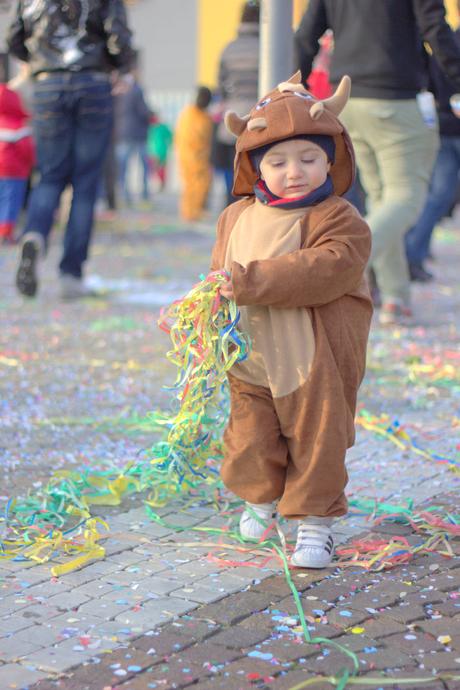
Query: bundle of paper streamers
(57, 520)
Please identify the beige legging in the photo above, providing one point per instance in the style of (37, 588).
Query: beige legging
(395, 153)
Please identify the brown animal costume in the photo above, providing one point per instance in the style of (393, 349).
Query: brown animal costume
(297, 277)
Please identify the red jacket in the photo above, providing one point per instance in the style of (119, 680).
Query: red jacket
(17, 154)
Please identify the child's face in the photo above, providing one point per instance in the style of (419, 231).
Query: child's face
(294, 168)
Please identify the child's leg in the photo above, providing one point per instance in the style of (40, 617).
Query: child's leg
(318, 426)
(256, 454)
(12, 192)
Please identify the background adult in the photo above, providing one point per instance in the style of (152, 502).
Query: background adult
(379, 44)
(71, 48)
(443, 187)
(132, 123)
(238, 81)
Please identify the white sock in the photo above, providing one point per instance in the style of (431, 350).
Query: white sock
(250, 526)
(315, 545)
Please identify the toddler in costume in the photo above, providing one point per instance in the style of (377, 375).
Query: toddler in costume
(296, 253)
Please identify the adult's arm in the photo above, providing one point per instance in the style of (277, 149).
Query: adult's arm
(118, 35)
(17, 35)
(306, 39)
(309, 277)
(431, 20)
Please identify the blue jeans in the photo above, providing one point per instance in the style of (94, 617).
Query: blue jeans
(126, 150)
(441, 196)
(73, 117)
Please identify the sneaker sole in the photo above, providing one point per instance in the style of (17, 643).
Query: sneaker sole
(26, 276)
(311, 562)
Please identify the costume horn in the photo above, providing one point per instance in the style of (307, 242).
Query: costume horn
(234, 123)
(335, 103)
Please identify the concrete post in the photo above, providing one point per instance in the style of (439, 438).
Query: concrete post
(276, 44)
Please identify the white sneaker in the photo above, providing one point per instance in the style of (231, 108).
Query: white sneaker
(256, 518)
(73, 288)
(315, 545)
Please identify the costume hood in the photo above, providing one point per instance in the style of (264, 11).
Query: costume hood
(285, 112)
(12, 114)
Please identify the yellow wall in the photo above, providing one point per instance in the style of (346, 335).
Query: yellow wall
(452, 12)
(217, 25)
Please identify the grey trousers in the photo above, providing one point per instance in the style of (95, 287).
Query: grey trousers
(395, 153)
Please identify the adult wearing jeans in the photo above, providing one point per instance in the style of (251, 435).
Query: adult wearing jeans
(443, 184)
(379, 44)
(72, 48)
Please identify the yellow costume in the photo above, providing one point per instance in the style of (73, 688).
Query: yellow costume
(193, 145)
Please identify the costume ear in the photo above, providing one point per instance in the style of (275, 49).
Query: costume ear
(335, 103)
(234, 123)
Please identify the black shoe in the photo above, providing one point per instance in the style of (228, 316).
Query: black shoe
(418, 274)
(26, 276)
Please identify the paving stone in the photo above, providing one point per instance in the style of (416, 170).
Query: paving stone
(406, 613)
(235, 607)
(94, 589)
(67, 601)
(445, 582)
(37, 634)
(442, 626)
(202, 595)
(155, 612)
(16, 676)
(414, 643)
(150, 586)
(194, 628)
(285, 648)
(13, 624)
(441, 661)
(238, 637)
(103, 608)
(246, 671)
(387, 658)
(11, 649)
(56, 659)
(293, 678)
(335, 617)
(381, 627)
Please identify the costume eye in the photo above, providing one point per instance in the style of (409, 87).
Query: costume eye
(305, 96)
(263, 103)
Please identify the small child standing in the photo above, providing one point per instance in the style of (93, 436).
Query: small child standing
(159, 140)
(16, 160)
(193, 136)
(296, 253)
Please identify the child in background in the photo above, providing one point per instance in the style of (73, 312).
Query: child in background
(193, 137)
(159, 140)
(296, 253)
(16, 160)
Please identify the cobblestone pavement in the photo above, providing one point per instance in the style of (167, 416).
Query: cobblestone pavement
(169, 608)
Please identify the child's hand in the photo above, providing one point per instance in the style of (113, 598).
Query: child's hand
(226, 290)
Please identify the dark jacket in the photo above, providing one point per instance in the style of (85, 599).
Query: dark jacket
(132, 115)
(443, 89)
(379, 44)
(238, 77)
(71, 36)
